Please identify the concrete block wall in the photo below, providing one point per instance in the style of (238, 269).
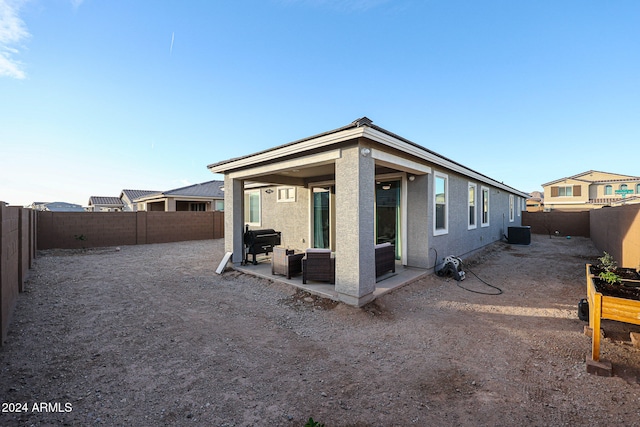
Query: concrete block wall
(16, 257)
(617, 231)
(77, 230)
(566, 223)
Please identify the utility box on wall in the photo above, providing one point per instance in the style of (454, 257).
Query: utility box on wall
(519, 235)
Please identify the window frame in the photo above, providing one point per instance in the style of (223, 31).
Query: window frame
(486, 190)
(247, 207)
(444, 230)
(608, 190)
(472, 204)
(289, 198)
(512, 208)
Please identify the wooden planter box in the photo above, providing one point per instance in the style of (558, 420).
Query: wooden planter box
(607, 307)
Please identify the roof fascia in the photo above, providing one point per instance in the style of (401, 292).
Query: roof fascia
(276, 153)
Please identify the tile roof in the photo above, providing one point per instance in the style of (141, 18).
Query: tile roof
(134, 194)
(205, 189)
(99, 200)
(209, 189)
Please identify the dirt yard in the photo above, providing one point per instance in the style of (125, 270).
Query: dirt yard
(151, 336)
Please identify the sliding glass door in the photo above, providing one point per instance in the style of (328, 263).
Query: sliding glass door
(321, 218)
(388, 218)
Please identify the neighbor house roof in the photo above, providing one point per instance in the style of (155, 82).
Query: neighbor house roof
(105, 201)
(362, 127)
(135, 194)
(210, 190)
(58, 207)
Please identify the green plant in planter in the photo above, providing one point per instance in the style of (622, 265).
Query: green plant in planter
(607, 263)
(610, 277)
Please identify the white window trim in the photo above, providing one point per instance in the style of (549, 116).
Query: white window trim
(255, 224)
(520, 201)
(445, 230)
(482, 223)
(475, 207)
(290, 191)
(512, 208)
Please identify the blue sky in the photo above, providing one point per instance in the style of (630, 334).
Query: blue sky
(98, 96)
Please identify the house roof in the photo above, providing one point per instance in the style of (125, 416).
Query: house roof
(105, 201)
(209, 189)
(582, 177)
(135, 194)
(378, 134)
(60, 207)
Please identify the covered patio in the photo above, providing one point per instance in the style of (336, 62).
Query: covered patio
(345, 190)
(386, 283)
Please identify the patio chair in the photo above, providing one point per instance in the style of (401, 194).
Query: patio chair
(286, 262)
(385, 258)
(319, 265)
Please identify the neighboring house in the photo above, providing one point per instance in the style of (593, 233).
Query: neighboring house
(353, 187)
(535, 203)
(57, 207)
(591, 190)
(128, 198)
(105, 204)
(207, 196)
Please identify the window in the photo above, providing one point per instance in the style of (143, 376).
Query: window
(623, 187)
(565, 191)
(637, 188)
(440, 203)
(608, 190)
(198, 207)
(473, 211)
(485, 206)
(520, 205)
(252, 207)
(512, 208)
(286, 194)
(219, 206)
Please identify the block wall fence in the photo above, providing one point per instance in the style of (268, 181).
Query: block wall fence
(565, 223)
(615, 230)
(77, 230)
(17, 252)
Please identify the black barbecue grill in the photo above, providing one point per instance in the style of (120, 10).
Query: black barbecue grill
(259, 242)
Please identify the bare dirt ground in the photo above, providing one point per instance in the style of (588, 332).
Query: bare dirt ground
(151, 336)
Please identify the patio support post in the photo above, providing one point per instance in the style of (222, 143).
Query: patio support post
(234, 218)
(355, 197)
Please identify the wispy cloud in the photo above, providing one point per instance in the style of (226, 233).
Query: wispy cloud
(13, 32)
(76, 3)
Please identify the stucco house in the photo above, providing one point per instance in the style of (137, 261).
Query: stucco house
(591, 190)
(129, 198)
(535, 203)
(353, 187)
(105, 204)
(206, 196)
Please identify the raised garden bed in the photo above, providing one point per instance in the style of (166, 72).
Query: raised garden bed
(612, 301)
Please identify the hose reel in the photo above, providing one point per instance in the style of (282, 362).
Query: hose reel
(451, 266)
